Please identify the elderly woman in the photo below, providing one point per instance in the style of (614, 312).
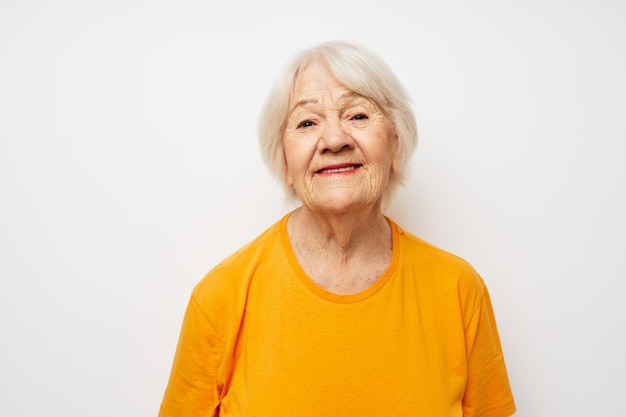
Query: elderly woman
(336, 310)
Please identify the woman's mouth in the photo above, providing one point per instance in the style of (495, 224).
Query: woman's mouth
(336, 169)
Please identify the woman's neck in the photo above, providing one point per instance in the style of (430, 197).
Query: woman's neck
(342, 253)
(345, 232)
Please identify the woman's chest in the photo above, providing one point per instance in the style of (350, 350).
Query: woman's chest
(300, 356)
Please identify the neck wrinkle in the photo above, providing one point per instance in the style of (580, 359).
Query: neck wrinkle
(344, 234)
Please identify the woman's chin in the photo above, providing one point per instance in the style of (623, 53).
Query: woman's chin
(336, 203)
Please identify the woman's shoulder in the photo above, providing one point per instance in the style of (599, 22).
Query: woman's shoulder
(237, 269)
(437, 262)
(422, 248)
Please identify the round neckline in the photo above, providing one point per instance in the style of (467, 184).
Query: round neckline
(335, 297)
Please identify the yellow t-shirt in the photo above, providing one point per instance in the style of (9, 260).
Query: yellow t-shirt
(261, 339)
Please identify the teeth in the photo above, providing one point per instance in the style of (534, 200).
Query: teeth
(344, 169)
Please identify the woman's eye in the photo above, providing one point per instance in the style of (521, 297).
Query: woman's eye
(305, 124)
(360, 116)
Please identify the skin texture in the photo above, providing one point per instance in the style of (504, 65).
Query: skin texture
(339, 147)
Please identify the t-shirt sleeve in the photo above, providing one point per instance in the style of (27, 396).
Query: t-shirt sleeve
(192, 390)
(488, 393)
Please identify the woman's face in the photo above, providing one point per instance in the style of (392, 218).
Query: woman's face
(339, 146)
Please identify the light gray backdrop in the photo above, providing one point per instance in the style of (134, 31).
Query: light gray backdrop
(129, 167)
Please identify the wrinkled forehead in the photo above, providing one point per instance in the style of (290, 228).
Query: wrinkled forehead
(316, 83)
(314, 78)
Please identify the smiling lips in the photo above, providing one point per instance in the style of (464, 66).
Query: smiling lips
(338, 169)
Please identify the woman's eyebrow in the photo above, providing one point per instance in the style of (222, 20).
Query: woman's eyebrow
(303, 103)
(342, 99)
(351, 95)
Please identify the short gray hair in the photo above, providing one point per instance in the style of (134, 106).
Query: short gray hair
(360, 71)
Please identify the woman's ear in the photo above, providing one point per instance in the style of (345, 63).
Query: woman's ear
(396, 154)
(286, 177)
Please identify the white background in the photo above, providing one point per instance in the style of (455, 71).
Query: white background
(129, 167)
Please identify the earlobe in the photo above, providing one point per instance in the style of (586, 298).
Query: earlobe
(394, 164)
(287, 178)
(396, 154)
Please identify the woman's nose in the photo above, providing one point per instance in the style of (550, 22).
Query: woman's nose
(334, 137)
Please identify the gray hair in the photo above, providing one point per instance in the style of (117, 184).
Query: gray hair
(360, 71)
